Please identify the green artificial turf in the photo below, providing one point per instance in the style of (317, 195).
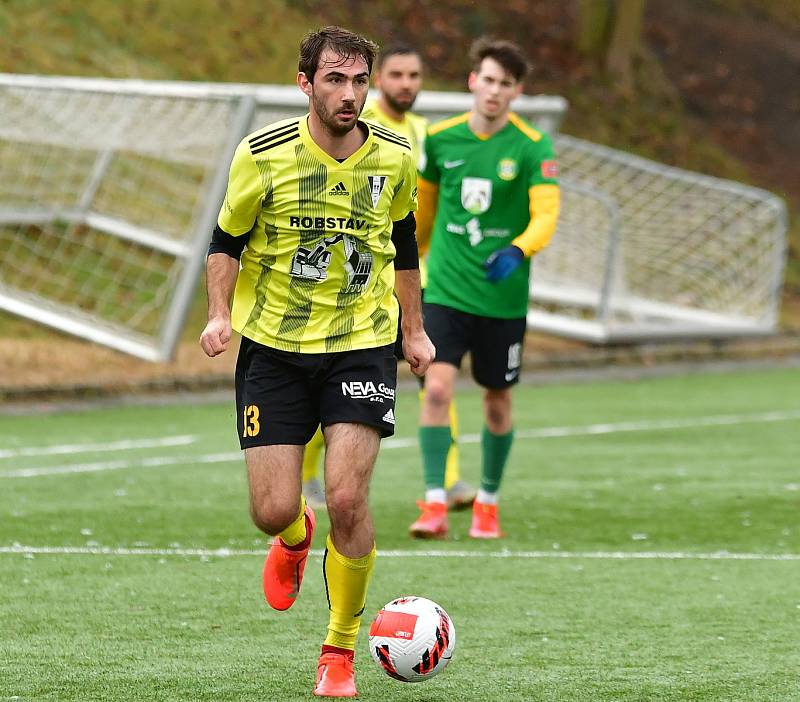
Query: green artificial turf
(652, 554)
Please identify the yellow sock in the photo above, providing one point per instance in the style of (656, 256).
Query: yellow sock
(346, 581)
(295, 533)
(452, 473)
(312, 454)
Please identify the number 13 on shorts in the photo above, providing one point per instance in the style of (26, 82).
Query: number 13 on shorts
(251, 426)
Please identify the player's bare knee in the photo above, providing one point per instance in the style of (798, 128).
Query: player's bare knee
(438, 395)
(272, 519)
(346, 509)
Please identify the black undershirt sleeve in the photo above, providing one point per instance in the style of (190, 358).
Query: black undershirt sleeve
(222, 242)
(404, 238)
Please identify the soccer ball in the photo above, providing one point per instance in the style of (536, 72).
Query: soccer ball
(412, 639)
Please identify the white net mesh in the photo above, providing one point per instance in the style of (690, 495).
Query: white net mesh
(646, 251)
(101, 197)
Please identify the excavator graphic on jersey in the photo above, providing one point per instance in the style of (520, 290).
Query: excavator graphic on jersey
(312, 264)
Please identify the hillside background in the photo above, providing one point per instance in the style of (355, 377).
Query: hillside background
(713, 84)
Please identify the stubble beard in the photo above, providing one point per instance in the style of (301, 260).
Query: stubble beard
(397, 106)
(331, 122)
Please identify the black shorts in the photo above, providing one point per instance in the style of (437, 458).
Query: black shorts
(495, 345)
(281, 397)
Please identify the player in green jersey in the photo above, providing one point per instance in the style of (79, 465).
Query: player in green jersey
(489, 200)
(324, 204)
(398, 77)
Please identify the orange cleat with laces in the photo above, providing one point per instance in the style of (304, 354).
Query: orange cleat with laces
(335, 676)
(485, 524)
(283, 569)
(432, 522)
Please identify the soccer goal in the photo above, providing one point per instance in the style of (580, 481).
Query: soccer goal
(109, 192)
(645, 251)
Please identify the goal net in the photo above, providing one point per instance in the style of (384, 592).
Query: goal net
(107, 195)
(645, 251)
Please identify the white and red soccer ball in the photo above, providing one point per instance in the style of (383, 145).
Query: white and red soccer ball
(412, 639)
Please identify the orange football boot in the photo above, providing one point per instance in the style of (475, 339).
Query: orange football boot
(284, 566)
(335, 676)
(432, 522)
(485, 524)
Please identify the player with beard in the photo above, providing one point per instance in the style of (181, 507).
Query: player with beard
(398, 78)
(324, 206)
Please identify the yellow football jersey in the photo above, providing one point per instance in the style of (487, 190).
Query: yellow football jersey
(317, 275)
(412, 127)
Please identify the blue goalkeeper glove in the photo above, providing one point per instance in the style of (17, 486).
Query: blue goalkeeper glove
(502, 263)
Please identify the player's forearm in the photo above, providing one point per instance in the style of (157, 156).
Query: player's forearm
(221, 274)
(409, 296)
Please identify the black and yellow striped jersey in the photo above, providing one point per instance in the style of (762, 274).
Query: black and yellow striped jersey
(317, 275)
(412, 126)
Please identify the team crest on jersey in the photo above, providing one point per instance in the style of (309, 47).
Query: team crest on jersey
(376, 185)
(507, 169)
(476, 195)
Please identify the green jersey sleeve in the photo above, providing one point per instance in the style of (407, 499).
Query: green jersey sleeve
(544, 167)
(245, 193)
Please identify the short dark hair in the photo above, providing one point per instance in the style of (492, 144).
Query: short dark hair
(395, 50)
(508, 54)
(344, 42)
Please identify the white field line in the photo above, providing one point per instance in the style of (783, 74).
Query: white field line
(408, 442)
(235, 553)
(123, 445)
(153, 462)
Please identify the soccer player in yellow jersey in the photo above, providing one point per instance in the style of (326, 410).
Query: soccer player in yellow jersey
(488, 201)
(398, 77)
(324, 204)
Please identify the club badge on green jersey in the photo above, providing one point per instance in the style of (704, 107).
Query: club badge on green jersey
(507, 169)
(476, 195)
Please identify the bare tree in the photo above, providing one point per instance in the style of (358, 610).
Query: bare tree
(610, 33)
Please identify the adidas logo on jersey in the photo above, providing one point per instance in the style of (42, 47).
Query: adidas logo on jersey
(389, 417)
(339, 189)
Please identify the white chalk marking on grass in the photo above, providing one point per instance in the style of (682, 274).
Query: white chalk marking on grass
(122, 445)
(153, 462)
(441, 553)
(644, 425)
(408, 442)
